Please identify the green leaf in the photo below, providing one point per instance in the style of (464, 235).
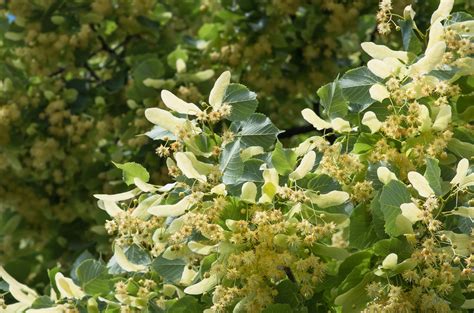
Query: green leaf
(393, 195)
(278, 308)
(186, 304)
(170, 270)
(133, 170)
(258, 130)
(393, 245)
(287, 293)
(410, 41)
(355, 299)
(42, 303)
(323, 183)
(93, 277)
(178, 53)
(243, 101)
(461, 148)
(433, 175)
(231, 163)
(355, 86)
(329, 251)
(332, 100)
(461, 242)
(361, 229)
(284, 160)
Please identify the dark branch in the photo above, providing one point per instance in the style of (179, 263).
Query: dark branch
(296, 131)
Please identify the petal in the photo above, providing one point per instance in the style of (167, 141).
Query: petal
(411, 211)
(218, 91)
(176, 209)
(249, 152)
(379, 92)
(180, 66)
(145, 187)
(19, 291)
(381, 52)
(203, 286)
(110, 207)
(141, 211)
(436, 34)
(432, 58)
(409, 13)
(304, 167)
(269, 188)
(385, 175)
(67, 287)
(330, 199)
(164, 119)
(420, 184)
(443, 118)
(424, 118)
(249, 192)
(310, 144)
(443, 10)
(314, 119)
(461, 171)
(341, 125)
(219, 190)
(371, 121)
(178, 105)
(379, 68)
(200, 248)
(118, 196)
(390, 261)
(188, 276)
(186, 166)
(124, 263)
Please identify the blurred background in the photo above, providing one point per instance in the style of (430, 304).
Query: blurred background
(76, 76)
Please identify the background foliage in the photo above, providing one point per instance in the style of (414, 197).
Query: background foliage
(77, 75)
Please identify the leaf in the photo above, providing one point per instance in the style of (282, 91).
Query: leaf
(332, 100)
(355, 86)
(355, 299)
(287, 293)
(186, 304)
(243, 101)
(433, 175)
(410, 41)
(393, 245)
(258, 130)
(93, 277)
(361, 230)
(170, 270)
(231, 163)
(461, 148)
(393, 195)
(132, 170)
(323, 183)
(284, 160)
(42, 303)
(328, 251)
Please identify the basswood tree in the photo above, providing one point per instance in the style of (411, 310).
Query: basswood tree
(379, 220)
(76, 77)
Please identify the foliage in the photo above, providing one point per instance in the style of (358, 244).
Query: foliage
(378, 219)
(77, 75)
